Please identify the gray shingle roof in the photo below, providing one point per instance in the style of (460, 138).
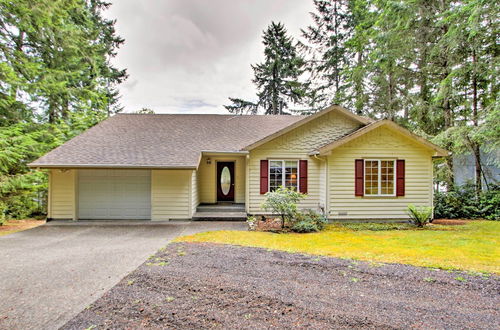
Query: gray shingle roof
(163, 140)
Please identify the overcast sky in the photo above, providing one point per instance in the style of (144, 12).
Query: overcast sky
(189, 56)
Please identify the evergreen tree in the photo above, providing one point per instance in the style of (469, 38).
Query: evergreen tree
(56, 58)
(56, 81)
(277, 78)
(328, 56)
(428, 65)
(473, 52)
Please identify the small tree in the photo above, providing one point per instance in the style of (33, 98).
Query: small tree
(283, 202)
(419, 216)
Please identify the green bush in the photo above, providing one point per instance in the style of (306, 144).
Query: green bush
(419, 216)
(3, 208)
(308, 221)
(283, 202)
(463, 203)
(489, 204)
(304, 227)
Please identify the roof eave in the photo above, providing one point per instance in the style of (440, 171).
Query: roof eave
(222, 152)
(109, 166)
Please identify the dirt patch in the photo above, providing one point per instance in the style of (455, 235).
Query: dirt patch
(13, 226)
(203, 285)
(269, 224)
(450, 222)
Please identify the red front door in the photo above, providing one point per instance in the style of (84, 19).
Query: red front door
(225, 181)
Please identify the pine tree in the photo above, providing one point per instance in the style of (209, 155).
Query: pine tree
(57, 58)
(277, 77)
(473, 53)
(328, 56)
(429, 65)
(56, 81)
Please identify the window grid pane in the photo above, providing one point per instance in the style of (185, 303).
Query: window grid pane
(387, 177)
(275, 175)
(379, 177)
(371, 177)
(283, 174)
(291, 174)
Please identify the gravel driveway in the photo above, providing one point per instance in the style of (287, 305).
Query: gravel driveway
(50, 273)
(202, 285)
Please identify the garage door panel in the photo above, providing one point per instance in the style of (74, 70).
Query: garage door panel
(114, 194)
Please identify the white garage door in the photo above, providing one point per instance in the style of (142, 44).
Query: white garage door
(114, 194)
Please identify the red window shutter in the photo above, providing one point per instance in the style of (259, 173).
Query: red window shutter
(303, 176)
(264, 181)
(359, 165)
(400, 177)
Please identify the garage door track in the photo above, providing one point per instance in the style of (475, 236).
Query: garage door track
(50, 273)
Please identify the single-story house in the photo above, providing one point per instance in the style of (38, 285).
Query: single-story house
(165, 166)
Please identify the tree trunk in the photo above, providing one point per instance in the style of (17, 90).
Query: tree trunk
(52, 111)
(274, 110)
(335, 28)
(447, 114)
(65, 109)
(390, 95)
(359, 88)
(476, 150)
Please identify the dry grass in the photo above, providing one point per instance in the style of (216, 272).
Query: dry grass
(471, 247)
(13, 226)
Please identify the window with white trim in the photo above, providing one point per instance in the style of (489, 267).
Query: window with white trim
(283, 173)
(380, 177)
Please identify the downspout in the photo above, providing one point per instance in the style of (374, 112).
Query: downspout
(324, 207)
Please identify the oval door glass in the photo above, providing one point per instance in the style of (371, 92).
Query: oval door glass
(225, 180)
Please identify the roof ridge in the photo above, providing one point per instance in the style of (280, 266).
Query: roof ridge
(207, 114)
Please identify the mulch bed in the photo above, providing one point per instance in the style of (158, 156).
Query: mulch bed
(18, 225)
(450, 222)
(203, 285)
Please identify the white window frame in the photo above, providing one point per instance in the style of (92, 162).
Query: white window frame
(379, 181)
(283, 168)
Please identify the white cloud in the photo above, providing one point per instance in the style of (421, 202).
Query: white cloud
(190, 56)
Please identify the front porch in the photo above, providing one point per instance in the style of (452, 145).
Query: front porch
(221, 187)
(221, 211)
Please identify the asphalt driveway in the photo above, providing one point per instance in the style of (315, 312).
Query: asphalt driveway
(50, 273)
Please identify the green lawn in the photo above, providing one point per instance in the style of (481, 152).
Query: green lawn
(472, 247)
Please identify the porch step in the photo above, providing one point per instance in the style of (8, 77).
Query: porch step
(219, 216)
(221, 208)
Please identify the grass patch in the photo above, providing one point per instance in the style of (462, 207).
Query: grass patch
(472, 247)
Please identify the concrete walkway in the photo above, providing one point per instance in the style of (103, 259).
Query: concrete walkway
(50, 273)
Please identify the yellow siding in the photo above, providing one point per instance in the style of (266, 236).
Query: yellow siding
(380, 143)
(296, 145)
(207, 178)
(171, 194)
(62, 192)
(195, 200)
(323, 184)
